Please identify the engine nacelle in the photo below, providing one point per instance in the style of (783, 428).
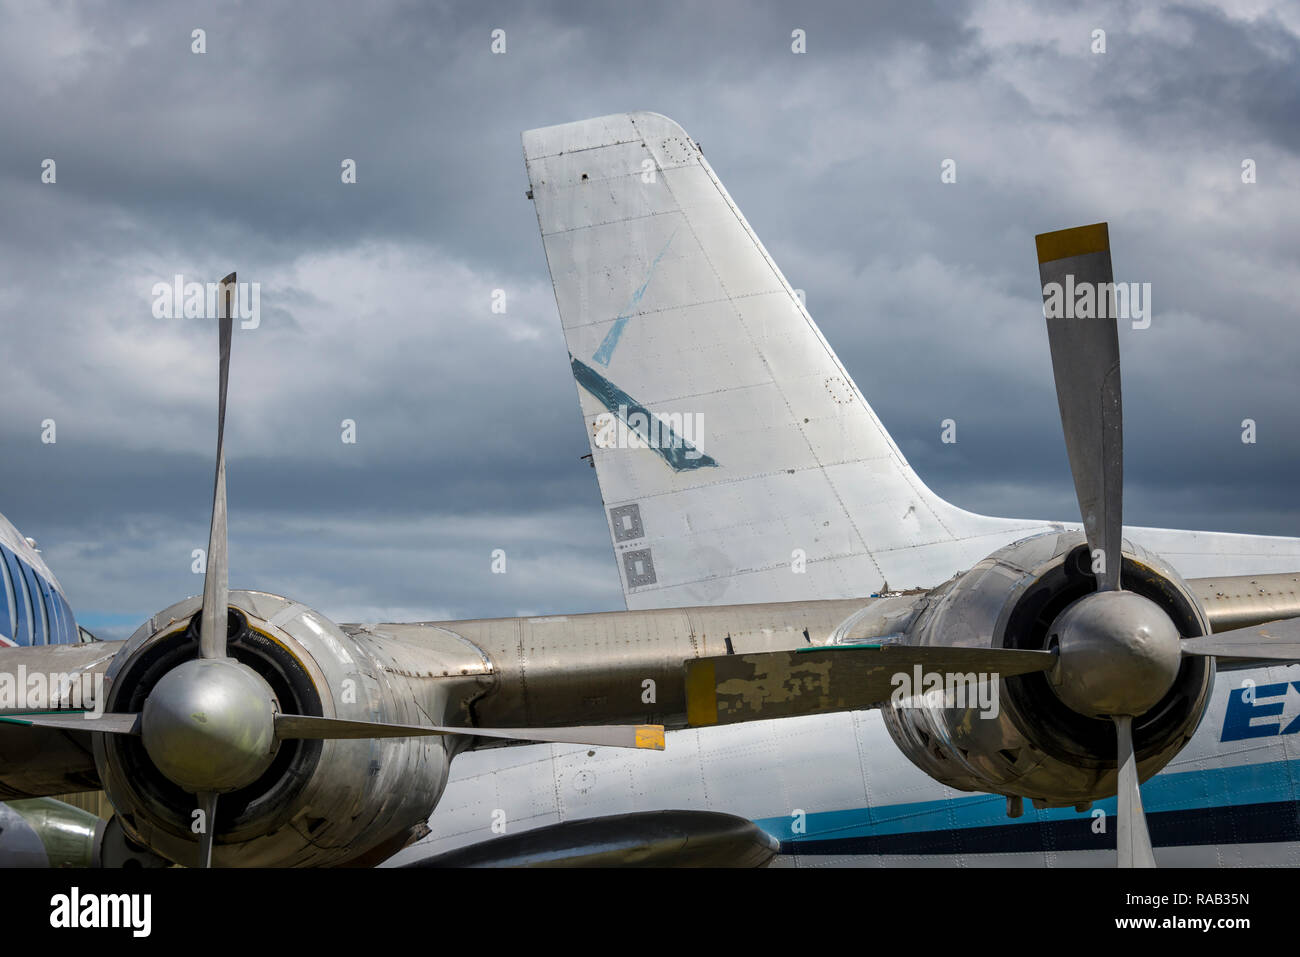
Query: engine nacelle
(319, 802)
(1035, 746)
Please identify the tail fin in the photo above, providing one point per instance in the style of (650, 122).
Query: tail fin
(737, 460)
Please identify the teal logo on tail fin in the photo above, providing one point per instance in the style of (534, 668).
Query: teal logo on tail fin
(653, 430)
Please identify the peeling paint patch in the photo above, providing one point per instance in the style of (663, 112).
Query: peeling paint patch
(610, 342)
(777, 680)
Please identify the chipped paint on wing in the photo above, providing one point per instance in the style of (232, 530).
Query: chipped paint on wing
(777, 679)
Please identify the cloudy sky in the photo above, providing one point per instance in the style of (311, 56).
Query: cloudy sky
(375, 297)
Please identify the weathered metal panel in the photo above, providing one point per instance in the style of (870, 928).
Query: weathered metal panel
(1245, 600)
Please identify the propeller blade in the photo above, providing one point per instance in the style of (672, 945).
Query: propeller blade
(822, 679)
(208, 804)
(1132, 838)
(1274, 641)
(216, 582)
(1085, 365)
(105, 723)
(290, 726)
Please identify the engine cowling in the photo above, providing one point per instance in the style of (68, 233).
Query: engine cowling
(1036, 745)
(316, 803)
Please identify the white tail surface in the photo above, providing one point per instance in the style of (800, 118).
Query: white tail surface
(769, 478)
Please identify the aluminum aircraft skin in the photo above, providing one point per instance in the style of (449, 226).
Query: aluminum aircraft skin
(785, 572)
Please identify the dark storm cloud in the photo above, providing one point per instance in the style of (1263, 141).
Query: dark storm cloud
(375, 296)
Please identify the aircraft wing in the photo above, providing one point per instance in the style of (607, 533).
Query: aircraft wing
(617, 667)
(40, 761)
(573, 670)
(526, 674)
(627, 667)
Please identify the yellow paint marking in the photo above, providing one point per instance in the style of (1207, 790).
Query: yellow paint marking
(1078, 241)
(701, 694)
(650, 736)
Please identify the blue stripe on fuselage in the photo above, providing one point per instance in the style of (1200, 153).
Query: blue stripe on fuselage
(1265, 784)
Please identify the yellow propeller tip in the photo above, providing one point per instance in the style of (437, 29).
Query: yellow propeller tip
(1079, 241)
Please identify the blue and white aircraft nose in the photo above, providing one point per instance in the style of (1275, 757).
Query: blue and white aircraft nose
(33, 608)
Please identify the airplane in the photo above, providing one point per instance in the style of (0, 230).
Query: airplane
(796, 597)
